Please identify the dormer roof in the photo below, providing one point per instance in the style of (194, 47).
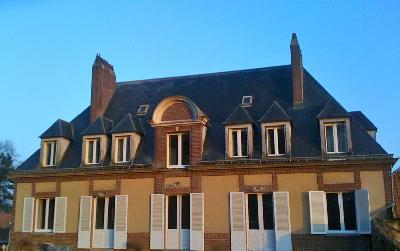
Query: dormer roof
(275, 113)
(101, 125)
(239, 116)
(60, 128)
(333, 109)
(128, 124)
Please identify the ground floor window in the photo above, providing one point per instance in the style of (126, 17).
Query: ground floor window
(260, 211)
(105, 213)
(341, 211)
(45, 214)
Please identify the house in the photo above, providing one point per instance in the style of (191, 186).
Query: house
(258, 159)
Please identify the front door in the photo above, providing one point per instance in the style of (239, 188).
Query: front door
(178, 222)
(260, 222)
(103, 234)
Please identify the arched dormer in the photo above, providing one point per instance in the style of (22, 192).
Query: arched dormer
(180, 130)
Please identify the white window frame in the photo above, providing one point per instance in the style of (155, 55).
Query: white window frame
(142, 110)
(276, 143)
(95, 151)
(341, 215)
(46, 220)
(52, 150)
(124, 152)
(244, 104)
(334, 126)
(105, 219)
(238, 131)
(179, 165)
(260, 211)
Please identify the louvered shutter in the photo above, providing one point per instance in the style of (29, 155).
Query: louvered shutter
(196, 221)
(27, 218)
(85, 213)
(283, 240)
(60, 214)
(121, 222)
(237, 220)
(318, 216)
(157, 222)
(363, 214)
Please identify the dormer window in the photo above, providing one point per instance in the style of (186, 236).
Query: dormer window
(178, 150)
(276, 140)
(335, 137)
(93, 151)
(50, 153)
(238, 142)
(123, 151)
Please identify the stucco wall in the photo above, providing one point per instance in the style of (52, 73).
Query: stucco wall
(45, 187)
(184, 181)
(373, 181)
(23, 190)
(258, 179)
(338, 177)
(103, 185)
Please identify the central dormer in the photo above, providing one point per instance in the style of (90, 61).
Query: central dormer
(180, 130)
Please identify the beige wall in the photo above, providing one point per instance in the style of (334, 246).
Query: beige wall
(298, 185)
(139, 192)
(73, 190)
(216, 201)
(338, 177)
(260, 179)
(104, 185)
(373, 181)
(23, 190)
(184, 181)
(46, 187)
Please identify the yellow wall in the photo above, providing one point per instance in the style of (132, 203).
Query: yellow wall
(139, 192)
(298, 185)
(46, 187)
(184, 181)
(338, 177)
(373, 181)
(216, 201)
(23, 190)
(260, 179)
(73, 190)
(103, 185)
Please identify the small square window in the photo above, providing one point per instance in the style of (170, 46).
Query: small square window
(247, 100)
(142, 109)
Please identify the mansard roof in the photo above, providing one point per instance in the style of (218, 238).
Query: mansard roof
(239, 116)
(275, 113)
(217, 94)
(101, 125)
(128, 124)
(363, 120)
(60, 128)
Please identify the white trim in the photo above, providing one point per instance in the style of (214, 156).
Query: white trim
(334, 123)
(46, 228)
(341, 216)
(179, 164)
(249, 103)
(238, 131)
(142, 110)
(264, 137)
(276, 139)
(124, 150)
(325, 217)
(50, 147)
(95, 151)
(56, 202)
(27, 223)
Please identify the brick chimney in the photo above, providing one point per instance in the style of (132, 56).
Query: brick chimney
(297, 71)
(103, 87)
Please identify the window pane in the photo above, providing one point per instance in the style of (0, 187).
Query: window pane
(185, 148)
(268, 211)
(100, 213)
(329, 139)
(252, 209)
(244, 142)
(128, 149)
(97, 157)
(111, 213)
(48, 153)
(172, 212)
(349, 211)
(234, 143)
(333, 211)
(90, 151)
(271, 142)
(54, 153)
(281, 140)
(50, 222)
(173, 149)
(341, 137)
(185, 211)
(41, 214)
(120, 149)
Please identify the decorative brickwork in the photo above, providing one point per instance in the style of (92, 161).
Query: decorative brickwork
(217, 241)
(195, 184)
(177, 111)
(138, 241)
(159, 184)
(27, 241)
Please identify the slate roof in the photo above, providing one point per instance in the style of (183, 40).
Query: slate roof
(239, 116)
(275, 113)
(128, 124)
(218, 94)
(363, 120)
(101, 125)
(60, 128)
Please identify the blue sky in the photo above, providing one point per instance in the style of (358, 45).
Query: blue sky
(47, 49)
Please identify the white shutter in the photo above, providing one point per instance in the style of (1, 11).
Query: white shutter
(121, 222)
(85, 213)
(60, 214)
(363, 214)
(27, 218)
(283, 239)
(318, 217)
(237, 219)
(197, 221)
(157, 222)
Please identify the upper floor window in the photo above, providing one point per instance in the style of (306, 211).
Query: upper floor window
(93, 151)
(238, 142)
(45, 214)
(335, 137)
(276, 140)
(123, 151)
(178, 149)
(50, 153)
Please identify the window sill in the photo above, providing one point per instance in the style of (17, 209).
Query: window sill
(46, 232)
(347, 233)
(177, 167)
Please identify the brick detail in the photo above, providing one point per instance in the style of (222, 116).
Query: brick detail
(46, 194)
(96, 193)
(138, 241)
(387, 179)
(177, 111)
(58, 189)
(323, 242)
(241, 183)
(357, 179)
(33, 191)
(195, 184)
(34, 241)
(176, 190)
(320, 181)
(159, 182)
(258, 189)
(217, 241)
(118, 186)
(339, 187)
(274, 182)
